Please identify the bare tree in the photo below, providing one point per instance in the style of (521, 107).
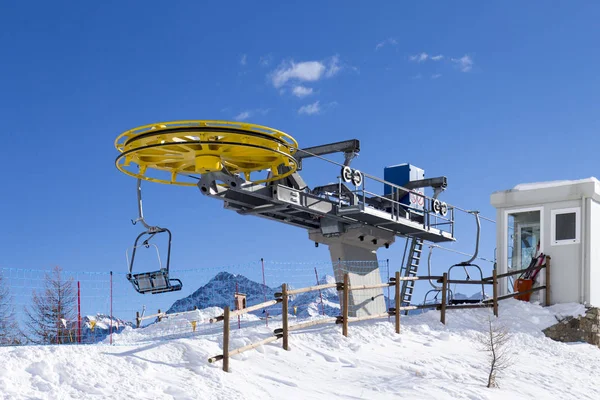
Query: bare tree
(9, 329)
(494, 341)
(53, 311)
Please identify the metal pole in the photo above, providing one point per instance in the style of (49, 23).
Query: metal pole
(78, 312)
(364, 201)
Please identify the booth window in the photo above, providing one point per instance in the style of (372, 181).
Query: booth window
(565, 226)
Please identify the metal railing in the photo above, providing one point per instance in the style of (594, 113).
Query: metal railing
(400, 210)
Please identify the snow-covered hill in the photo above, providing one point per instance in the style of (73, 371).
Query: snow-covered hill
(427, 360)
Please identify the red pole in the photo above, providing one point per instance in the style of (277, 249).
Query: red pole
(78, 312)
(262, 261)
(58, 314)
(111, 304)
(320, 294)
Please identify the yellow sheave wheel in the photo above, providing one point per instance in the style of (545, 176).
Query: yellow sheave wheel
(197, 147)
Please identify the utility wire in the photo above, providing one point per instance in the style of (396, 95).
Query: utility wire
(460, 252)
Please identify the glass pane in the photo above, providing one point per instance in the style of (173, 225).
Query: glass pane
(530, 237)
(523, 238)
(565, 226)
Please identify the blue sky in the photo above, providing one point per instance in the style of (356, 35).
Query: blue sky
(488, 94)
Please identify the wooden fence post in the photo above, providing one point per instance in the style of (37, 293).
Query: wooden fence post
(138, 321)
(226, 339)
(444, 289)
(548, 301)
(495, 284)
(284, 310)
(398, 303)
(345, 306)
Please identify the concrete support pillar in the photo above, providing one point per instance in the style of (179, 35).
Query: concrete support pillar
(355, 252)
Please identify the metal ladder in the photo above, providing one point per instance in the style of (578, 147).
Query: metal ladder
(410, 269)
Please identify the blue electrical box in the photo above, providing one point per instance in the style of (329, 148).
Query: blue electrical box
(400, 175)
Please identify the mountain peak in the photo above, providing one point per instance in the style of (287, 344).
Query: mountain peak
(220, 291)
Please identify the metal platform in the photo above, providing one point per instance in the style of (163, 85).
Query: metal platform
(333, 216)
(403, 226)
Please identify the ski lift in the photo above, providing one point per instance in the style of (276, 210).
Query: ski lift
(157, 281)
(436, 289)
(469, 263)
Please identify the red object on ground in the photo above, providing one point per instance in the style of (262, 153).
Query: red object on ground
(520, 286)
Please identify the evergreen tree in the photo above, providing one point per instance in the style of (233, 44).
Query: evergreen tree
(9, 329)
(53, 311)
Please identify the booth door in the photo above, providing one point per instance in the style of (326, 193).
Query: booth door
(523, 238)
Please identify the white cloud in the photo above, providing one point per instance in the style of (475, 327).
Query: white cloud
(419, 57)
(249, 113)
(435, 76)
(391, 41)
(310, 109)
(465, 63)
(316, 108)
(422, 57)
(264, 61)
(243, 115)
(302, 91)
(334, 66)
(306, 71)
(244, 59)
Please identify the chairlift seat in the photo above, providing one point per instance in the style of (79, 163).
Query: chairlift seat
(154, 282)
(465, 301)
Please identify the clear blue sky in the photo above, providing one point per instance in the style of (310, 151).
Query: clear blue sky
(488, 94)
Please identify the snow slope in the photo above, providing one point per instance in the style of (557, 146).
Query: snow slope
(426, 361)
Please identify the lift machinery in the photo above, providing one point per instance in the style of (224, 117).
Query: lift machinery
(255, 170)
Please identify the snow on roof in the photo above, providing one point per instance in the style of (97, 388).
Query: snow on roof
(542, 185)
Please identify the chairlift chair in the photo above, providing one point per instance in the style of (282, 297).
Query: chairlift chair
(437, 292)
(158, 281)
(153, 282)
(469, 263)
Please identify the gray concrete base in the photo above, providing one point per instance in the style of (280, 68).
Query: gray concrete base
(355, 252)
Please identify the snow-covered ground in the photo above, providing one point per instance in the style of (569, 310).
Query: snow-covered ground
(426, 361)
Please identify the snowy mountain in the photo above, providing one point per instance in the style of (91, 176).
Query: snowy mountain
(96, 328)
(309, 304)
(220, 290)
